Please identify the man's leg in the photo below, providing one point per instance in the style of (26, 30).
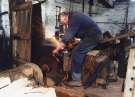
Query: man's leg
(77, 58)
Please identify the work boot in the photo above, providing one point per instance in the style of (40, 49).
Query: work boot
(76, 76)
(74, 83)
(76, 80)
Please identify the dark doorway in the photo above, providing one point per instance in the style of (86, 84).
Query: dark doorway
(5, 58)
(37, 30)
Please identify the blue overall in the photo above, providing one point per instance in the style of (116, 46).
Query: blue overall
(81, 26)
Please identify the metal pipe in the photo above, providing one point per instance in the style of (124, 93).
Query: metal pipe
(83, 5)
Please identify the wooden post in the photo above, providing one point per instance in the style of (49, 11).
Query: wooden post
(20, 22)
(129, 90)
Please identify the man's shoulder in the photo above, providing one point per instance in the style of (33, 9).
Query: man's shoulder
(79, 17)
(76, 13)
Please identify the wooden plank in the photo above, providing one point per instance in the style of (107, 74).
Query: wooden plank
(68, 92)
(25, 6)
(66, 61)
(23, 50)
(23, 22)
(21, 31)
(23, 36)
(18, 60)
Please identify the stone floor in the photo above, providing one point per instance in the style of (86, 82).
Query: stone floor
(113, 90)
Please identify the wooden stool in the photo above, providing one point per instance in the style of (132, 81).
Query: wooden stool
(95, 63)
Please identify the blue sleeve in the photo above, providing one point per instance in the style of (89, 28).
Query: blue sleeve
(71, 31)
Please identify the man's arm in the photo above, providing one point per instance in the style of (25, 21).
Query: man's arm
(71, 30)
(60, 46)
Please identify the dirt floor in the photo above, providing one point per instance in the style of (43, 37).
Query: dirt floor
(113, 90)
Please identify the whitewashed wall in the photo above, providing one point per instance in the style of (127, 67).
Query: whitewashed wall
(48, 17)
(5, 18)
(115, 15)
(103, 15)
(49, 13)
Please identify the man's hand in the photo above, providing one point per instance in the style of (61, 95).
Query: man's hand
(73, 43)
(60, 46)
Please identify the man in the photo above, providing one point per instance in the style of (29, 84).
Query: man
(78, 25)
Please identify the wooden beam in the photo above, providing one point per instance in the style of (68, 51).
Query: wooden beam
(119, 37)
(102, 22)
(19, 61)
(23, 36)
(24, 6)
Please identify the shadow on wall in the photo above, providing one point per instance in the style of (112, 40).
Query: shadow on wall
(41, 53)
(5, 58)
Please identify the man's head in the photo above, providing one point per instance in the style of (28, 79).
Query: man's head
(63, 18)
